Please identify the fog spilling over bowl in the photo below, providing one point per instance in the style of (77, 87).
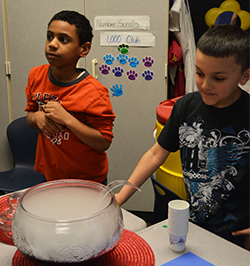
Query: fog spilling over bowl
(67, 221)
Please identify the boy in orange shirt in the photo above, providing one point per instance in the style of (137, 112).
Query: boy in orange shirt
(71, 108)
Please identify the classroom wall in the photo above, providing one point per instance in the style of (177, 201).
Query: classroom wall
(26, 42)
(5, 153)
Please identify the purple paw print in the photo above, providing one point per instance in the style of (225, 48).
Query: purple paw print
(148, 75)
(104, 69)
(148, 61)
(132, 75)
(117, 71)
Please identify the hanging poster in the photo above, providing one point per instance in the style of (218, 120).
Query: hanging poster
(122, 23)
(131, 38)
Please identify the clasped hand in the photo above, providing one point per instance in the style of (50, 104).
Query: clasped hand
(56, 112)
(53, 118)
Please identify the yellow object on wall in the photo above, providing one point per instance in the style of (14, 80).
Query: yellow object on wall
(228, 6)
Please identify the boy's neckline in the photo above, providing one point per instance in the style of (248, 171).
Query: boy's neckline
(84, 73)
(226, 108)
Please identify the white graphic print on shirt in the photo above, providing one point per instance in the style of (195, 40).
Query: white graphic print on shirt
(42, 100)
(211, 160)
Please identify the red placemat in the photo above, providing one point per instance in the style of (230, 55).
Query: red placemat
(3, 206)
(132, 250)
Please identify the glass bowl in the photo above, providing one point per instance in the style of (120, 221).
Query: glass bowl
(6, 213)
(67, 221)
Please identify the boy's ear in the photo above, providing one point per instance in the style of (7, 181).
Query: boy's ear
(245, 77)
(85, 48)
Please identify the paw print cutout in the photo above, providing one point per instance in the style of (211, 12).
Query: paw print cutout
(123, 48)
(104, 69)
(133, 62)
(148, 75)
(132, 74)
(148, 61)
(109, 59)
(123, 59)
(117, 71)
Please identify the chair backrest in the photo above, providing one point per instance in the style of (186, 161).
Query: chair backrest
(22, 140)
(162, 198)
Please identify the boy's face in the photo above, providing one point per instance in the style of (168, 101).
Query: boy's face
(62, 46)
(217, 79)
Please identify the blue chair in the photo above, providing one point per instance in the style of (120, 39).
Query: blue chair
(22, 140)
(162, 198)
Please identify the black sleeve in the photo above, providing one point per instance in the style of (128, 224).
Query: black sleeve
(169, 136)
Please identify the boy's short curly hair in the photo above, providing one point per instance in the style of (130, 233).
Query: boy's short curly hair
(83, 27)
(225, 41)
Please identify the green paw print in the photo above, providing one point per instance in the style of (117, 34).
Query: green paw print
(123, 48)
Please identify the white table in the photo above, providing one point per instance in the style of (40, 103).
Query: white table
(132, 222)
(200, 242)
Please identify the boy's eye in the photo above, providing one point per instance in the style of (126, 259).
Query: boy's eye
(199, 74)
(64, 39)
(219, 78)
(49, 37)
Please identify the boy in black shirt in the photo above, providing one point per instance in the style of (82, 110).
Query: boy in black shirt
(211, 129)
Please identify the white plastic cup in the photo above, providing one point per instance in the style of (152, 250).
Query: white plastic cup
(177, 227)
(178, 214)
(178, 207)
(177, 243)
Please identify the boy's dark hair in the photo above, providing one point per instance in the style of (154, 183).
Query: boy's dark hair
(83, 27)
(225, 41)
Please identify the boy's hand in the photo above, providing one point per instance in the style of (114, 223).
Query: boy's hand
(56, 112)
(117, 198)
(46, 125)
(246, 233)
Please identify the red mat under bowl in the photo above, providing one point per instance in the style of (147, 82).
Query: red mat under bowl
(3, 206)
(131, 250)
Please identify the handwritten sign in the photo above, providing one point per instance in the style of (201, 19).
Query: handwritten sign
(122, 23)
(133, 38)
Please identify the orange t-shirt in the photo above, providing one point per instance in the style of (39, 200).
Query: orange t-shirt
(64, 155)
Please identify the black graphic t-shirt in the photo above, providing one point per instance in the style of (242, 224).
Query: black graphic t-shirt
(214, 145)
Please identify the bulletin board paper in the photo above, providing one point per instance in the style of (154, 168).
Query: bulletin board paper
(122, 23)
(131, 38)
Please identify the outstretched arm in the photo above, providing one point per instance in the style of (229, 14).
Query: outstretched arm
(148, 164)
(246, 233)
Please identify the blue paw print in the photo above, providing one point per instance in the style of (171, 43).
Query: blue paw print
(117, 71)
(109, 59)
(123, 59)
(148, 75)
(117, 91)
(104, 69)
(133, 62)
(148, 61)
(132, 75)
